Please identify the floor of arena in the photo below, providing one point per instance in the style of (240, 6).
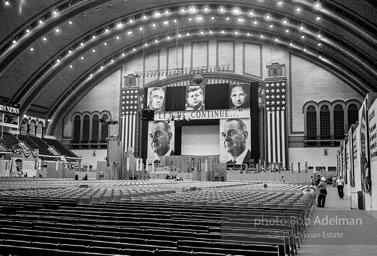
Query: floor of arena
(166, 217)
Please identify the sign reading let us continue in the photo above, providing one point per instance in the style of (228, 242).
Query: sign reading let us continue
(203, 114)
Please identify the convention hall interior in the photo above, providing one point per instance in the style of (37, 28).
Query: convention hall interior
(171, 127)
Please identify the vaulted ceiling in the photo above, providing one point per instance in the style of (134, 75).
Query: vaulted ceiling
(52, 52)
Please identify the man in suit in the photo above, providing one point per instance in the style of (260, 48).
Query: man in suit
(156, 99)
(239, 96)
(161, 136)
(235, 136)
(194, 98)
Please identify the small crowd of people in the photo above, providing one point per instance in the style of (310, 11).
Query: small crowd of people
(320, 183)
(173, 177)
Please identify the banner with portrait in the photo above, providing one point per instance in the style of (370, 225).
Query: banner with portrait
(160, 139)
(351, 157)
(156, 98)
(364, 148)
(235, 141)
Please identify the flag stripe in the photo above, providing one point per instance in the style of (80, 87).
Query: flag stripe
(273, 137)
(278, 136)
(283, 138)
(269, 136)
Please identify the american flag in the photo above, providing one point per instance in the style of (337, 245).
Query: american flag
(129, 108)
(275, 92)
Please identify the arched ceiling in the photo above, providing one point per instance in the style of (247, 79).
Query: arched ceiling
(53, 52)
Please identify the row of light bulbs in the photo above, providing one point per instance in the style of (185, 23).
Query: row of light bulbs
(247, 34)
(182, 10)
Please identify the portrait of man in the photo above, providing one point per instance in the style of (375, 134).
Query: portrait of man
(365, 171)
(235, 147)
(239, 96)
(156, 98)
(194, 98)
(161, 139)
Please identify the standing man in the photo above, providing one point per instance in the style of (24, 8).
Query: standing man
(194, 98)
(340, 185)
(156, 99)
(161, 137)
(235, 136)
(238, 96)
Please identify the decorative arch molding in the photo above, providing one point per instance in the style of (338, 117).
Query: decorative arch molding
(335, 135)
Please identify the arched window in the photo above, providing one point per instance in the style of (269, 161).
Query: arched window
(311, 124)
(76, 128)
(40, 129)
(95, 127)
(32, 128)
(352, 115)
(24, 127)
(86, 128)
(325, 124)
(104, 127)
(338, 122)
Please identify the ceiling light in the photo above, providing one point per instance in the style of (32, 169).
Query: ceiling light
(131, 21)
(58, 60)
(193, 9)
(202, 32)
(94, 36)
(32, 49)
(317, 5)
(248, 34)
(57, 30)
(255, 22)
(211, 32)
(70, 66)
(182, 10)
(156, 41)
(222, 32)
(154, 25)
(301, 27)
(261, 36)
(285, 21)
(118, 37)
(55, 12)
(206, 9)
(168, 37)
(212, 18)
(166, 22)
(280, 3)
(129, 33)
(319, 44)
(146, 44)
(298, 9)
(27, 30)
(271, 26)
(179, 35)
(82, 43)
(236, 32)
(157, 14)
(82, 58)
(251, 12)
(69, 51)
(175, 21)
(145, 17)
(167, 12)
(241, 19)
(120, 25)
(106, 30)
(91, 74)
(6, 3)
(287, 31)
(101, 67)
(199, 18)
(141, 28)
(94, 50)
(268, 16)
(303, 37)
(190, 19)
(236, 11)
(187, 34)
(40, 22)
(112, 60)
(134, 49)
(318, 18)
(70, 22)
(290, 44)
(44, 38)
(222, 9)
(276, 39)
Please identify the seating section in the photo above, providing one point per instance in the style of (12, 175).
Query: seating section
(9, 140)
(59, 147)
(149, 218)
(32, 144)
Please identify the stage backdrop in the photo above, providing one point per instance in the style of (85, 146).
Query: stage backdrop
(210, 105)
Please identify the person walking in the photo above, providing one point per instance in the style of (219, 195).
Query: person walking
(322, 193)
(340, 185)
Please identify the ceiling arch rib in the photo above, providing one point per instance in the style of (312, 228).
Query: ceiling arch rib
(355, 73)
(31, 81)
